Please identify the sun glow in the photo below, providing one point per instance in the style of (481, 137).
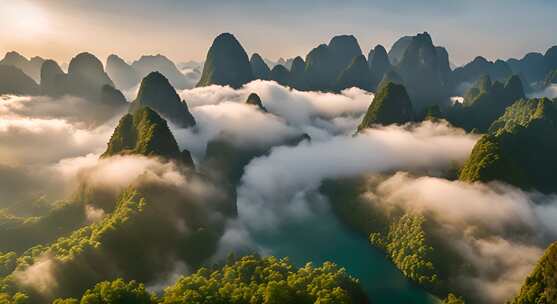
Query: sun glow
(23, 18)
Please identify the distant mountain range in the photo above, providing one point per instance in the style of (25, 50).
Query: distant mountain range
(415, 62)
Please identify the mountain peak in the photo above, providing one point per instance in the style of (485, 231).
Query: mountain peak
(157, 93)
(391, 105)
(144, 132)
(259, 67)
(253, 99)
(226, 63)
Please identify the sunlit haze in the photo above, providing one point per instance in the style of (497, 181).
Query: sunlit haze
(182, 30)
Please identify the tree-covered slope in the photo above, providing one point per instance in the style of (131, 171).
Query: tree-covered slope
(144, 132)
(391, 105)
(519, 148)
(157, 93)
(540, 286)
(249, 279)
(485, 102)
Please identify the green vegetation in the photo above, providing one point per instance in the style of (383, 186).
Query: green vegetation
(519, 148)
(115, 292)
(402, 236)
(20, 233)
(250, 279)
(266, 280)
(487, 162)
(157, 93)
(485, 102)
(226, 63)
(541, 285)
(391, 105)
(452, 299)
(146, 133)
(143, 226)
(406, 245)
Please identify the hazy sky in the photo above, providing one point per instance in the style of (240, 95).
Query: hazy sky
(183, 30)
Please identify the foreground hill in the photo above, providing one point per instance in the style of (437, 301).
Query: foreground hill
(144, 132)
(260, 280)
(541, 285)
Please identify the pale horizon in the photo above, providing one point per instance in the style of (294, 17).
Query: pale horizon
(184, 30)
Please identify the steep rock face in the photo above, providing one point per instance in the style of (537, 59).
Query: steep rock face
(391, 105)
(343, 49)
(551, 58)
(159, 63)
(254, 100)
(31, 67)
(144, 132)
(52, 78)
(226, 63)
(325, 63)
(444, 64)
(14, 81)
(398, 49)
(157, 93)
(519, 148)
(485, 102)
(317, 72)
(379, 63)
(390, 76)
(281, 75)
(356, 75)
(297, 73)
(259, 67)
(420, 69)
(541, 285)
(124, 75)
(86, 76)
